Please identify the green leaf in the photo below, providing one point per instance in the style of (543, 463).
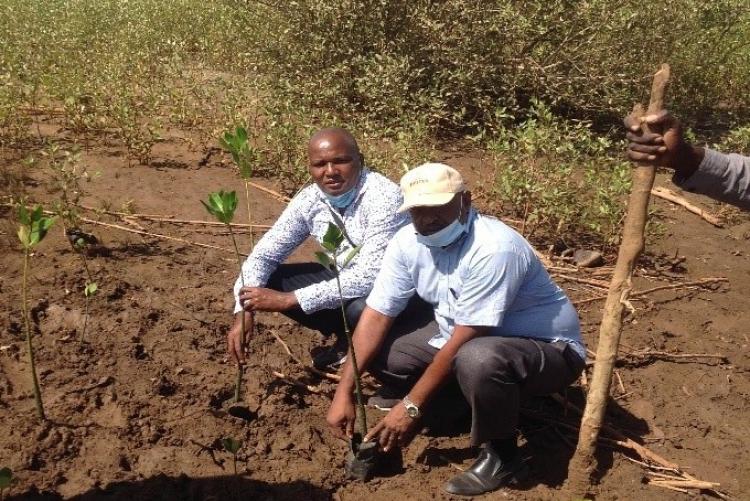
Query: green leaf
(6, 477)
(23, 235)
(352, 253)
(333, 237)
(90, 289)
(323, 259)
(241, 136)
(23, 215)
(231, 445)
(221, 205)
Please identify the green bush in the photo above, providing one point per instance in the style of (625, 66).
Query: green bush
(456, 62)
(556, 176)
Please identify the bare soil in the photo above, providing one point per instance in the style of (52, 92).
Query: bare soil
(136, 406)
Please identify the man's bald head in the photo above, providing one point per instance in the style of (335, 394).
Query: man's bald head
(335, 162)
(334, 135)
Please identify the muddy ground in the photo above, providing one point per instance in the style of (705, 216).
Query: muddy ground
(135, 406)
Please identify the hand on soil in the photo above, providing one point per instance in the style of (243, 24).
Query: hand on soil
(342, 416)
(396, 429)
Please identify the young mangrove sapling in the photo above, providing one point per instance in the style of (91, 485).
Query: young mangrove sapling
(33, 229)
(232, 446)
(363, 456)
(222, 206)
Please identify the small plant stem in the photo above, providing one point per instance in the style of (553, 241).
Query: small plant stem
(37, 390)
(249, 219)
(238, 383)
(357, 382)
(234, 463)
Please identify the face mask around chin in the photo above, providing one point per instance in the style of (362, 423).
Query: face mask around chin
(344, 200)
(444, 237)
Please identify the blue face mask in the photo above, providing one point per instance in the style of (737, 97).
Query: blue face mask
(444, 237)
(344, 200)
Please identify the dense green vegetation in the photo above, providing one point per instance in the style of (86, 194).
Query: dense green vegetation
(540, 85)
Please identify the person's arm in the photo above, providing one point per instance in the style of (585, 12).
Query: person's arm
(725, 178)
(358, 277)
(286, 234)
(391, 292)
(368, 337)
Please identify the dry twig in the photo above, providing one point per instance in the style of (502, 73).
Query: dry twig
(696, 283)
(673, 197)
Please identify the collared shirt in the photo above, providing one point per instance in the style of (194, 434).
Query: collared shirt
(489, 277)
(723, 177)
(370, 220)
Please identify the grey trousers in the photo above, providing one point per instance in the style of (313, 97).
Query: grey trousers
(492, 372)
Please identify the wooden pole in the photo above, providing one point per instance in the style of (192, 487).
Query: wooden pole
(583, 464)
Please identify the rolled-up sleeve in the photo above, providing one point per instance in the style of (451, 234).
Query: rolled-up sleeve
(289, 231)
(723, 177)
(490, 288)
(394, 285)
(358, 276)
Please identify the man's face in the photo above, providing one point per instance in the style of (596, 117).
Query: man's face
(334, 164)
(429, 220)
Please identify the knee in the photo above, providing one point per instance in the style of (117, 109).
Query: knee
(475, 363)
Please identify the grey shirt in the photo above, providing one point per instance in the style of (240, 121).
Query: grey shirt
(723, 177)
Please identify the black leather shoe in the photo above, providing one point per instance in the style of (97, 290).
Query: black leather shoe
(330, 359)
(488, 473)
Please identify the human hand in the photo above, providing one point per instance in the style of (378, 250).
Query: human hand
(341, 415)
(235, 347)
(262, 299)
(396, 429)
(664, 145)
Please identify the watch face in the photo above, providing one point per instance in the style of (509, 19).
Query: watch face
(412, 411)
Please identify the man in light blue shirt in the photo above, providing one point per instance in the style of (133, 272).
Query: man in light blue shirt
(502, 327)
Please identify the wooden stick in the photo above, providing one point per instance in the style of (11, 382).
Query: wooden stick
(156, 235)
(695, 283)
(297, 384)
(278, 196)
(595, 283)
(666, 354)
(673, 197)
(327, 375)
(170, 219)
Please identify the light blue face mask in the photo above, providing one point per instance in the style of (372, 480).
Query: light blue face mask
(344, 200)
(446, 236)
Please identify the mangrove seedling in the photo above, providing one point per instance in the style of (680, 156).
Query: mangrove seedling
(33, 229)
(244, 156)
(362, 459)
(222, 206)
(232, 446)
(6, 478)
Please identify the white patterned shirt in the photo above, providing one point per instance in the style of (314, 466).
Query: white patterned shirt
(371, 221)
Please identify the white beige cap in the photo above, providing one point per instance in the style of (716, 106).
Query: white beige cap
(430, 185)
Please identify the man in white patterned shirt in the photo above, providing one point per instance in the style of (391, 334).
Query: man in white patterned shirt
(344, 190)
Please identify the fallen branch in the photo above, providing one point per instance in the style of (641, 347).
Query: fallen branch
(278, 196)
(668, 355)
(170, 219)
(296, 384)
(673, 197)
(594, 283)
(155, 235)
(697, 283)
(327, 375)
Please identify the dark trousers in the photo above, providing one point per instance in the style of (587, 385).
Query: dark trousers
(290, 277)
(492, 372)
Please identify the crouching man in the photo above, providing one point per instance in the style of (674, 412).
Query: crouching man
(502, 329)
